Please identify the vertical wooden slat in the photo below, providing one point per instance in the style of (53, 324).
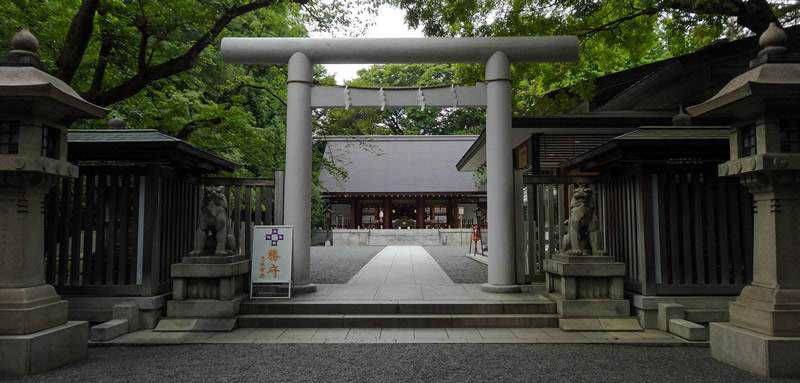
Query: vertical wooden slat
(236, 212)
(270, 205)
(51, 225)
(686, 226)
(747, 232)
(258, 200)
(662, 202)
(75, 229)
(180, 216)
(722, 221)
(62, 228)
(111, 233)
(134, 227)
(100, 239)
(674, 235)
(89, 230)
(699, 228)
(151, 237)
(737, 258)
(168, 238)
(248, 208)
(711, 226)
(184, 214)
(123, 212)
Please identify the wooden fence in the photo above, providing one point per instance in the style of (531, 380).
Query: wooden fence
(680, 231)
(116, 231)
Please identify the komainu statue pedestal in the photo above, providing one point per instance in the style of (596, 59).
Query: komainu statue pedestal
(587, 286)
(210, 283)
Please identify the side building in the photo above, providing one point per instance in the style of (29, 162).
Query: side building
(400, 182)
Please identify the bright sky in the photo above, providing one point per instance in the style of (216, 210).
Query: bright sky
(390, 22)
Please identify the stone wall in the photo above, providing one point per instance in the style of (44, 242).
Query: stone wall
(361, 237)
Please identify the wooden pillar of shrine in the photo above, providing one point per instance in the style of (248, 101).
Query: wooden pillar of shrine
(387, 213)
(357, 210)
(420, 213)
(451, 213)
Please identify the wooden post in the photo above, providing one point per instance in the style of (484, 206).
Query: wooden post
(420, 213)
(387, 213)
(278, 217)
(151, 268)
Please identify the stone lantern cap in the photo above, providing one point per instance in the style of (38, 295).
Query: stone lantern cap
(22, 80)
(774, 77)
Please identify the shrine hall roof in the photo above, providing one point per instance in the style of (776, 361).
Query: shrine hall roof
(398, 164)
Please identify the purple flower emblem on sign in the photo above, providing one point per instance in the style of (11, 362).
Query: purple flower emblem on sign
(274, 237)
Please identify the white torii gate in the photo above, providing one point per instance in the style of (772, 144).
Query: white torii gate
(495, 52)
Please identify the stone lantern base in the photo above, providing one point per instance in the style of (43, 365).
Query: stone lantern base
(586, 287)
(34, 333)
(770, 356)
(43, 350)
(766, 322)
(206, 292)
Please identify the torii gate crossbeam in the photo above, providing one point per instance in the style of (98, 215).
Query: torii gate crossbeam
(495, 52)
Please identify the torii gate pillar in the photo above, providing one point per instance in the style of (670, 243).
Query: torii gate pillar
(499, 177)
(495, 52)
(297, 200)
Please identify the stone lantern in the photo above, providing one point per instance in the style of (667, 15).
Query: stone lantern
(35, 109)
(763, 335)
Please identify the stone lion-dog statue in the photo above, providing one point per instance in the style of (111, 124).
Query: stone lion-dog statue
(214, 235)
(583, 227)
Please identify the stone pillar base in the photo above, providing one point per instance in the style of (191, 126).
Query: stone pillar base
(43, 350)
(27, 310)
(768, 356)
(586, 286)
(304, 289)
(500, 289)
(207, 293)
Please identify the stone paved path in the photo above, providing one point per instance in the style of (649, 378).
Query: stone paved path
(401, 265)
(404, 335)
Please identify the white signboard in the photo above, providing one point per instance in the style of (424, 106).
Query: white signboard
(271, 259)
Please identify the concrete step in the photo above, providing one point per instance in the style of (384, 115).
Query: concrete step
(705, 316)
(393, 307)
(398, 320)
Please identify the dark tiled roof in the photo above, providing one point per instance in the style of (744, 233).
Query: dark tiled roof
(394, 164)
(677, 133)
(121, 135)
(142, 146)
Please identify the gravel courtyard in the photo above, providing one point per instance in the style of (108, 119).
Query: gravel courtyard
(337, 264)
(458, 267)
(397, 363)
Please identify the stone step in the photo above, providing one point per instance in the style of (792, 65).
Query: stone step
(706, 316)
(392, 307)
(397, 320)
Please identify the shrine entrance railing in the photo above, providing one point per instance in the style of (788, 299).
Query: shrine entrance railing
(116, 231)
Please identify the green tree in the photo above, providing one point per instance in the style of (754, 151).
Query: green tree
(157, 65)
(614, 34)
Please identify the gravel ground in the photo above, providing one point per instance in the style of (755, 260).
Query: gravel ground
(397, 363)
(458, 267)
(337, 264)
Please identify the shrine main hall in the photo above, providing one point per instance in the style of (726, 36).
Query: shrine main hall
(401, 182)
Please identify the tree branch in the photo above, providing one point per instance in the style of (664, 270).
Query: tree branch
(78, 36)
(106, 44)
(614, 24)
(181, 63)
(192, 126)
